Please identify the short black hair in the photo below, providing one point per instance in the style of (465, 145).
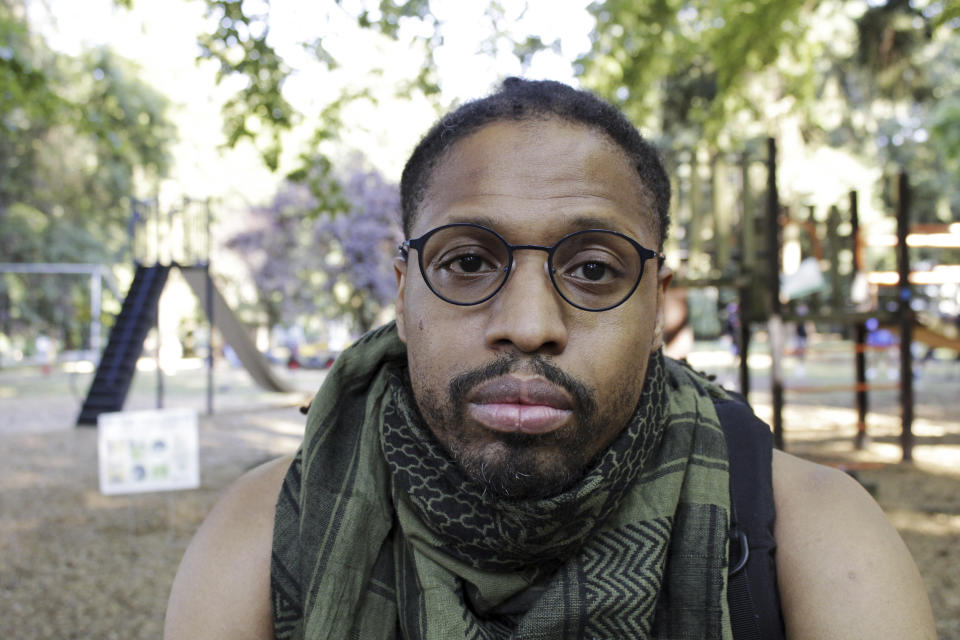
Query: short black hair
(520, 99)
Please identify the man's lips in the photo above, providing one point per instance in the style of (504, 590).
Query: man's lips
(512, 405)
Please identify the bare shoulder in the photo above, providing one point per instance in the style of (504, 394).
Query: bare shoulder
(222, 588)
(843, 570)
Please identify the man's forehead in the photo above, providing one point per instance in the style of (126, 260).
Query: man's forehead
(577, 169)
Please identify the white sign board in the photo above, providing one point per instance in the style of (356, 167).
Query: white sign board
(148, 451)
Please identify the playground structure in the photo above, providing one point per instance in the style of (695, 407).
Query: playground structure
(178, 240)
(750, 263)
(749, 260)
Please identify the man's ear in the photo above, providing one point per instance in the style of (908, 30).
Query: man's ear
(664, 276)
(400, 269)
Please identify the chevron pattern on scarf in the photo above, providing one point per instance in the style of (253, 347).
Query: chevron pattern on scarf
(626, 570)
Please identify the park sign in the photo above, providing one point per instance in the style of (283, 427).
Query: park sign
(141, 451)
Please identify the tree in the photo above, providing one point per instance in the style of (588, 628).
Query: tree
(307, 265)
(688, 70)
(260, 113)
(79, 137)
(360, 246)
(682, 64)
(873, 80)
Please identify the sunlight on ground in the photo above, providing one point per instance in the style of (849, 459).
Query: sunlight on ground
(720, 359)
(79, 366)
(939, 524)
(274, 435)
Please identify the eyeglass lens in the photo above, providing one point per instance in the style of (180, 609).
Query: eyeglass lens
(591, 269)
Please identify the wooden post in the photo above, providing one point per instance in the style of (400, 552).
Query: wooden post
(744, 317)
(905, 313)
(837, 297)
(721, 213)
(775, 322)
(748, 257)
(695, 229)
(859, 331)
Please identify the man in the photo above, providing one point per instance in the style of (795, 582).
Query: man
(515, 457)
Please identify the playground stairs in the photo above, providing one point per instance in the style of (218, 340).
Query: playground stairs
(118, 363)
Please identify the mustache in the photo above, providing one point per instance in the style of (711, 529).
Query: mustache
(582, 395)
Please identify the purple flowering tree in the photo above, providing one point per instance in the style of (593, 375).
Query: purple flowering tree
(336, 265)
(360, 246)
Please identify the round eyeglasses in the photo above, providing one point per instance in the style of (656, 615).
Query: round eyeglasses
(593, 270)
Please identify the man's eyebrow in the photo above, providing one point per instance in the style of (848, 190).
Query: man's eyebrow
(571, 224)
(480, 219)
(580, 223)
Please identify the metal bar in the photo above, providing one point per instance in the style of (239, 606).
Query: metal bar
(721, 212)
(51, 267)
(748, 260)
(906, 316)
(208, 302)
(859, 333)
(842, 317)
(775, 322)
(858, 387)
(160, 391)
(747, 224)
(940, 274)
(696, 283)
(96, 293)
(744, 345)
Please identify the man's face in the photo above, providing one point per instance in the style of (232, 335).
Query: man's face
(524, 390)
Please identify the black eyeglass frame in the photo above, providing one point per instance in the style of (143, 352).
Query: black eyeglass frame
(418, 244)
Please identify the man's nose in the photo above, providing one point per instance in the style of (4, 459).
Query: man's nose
(528, 313)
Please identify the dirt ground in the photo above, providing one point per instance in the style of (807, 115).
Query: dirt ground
(78, 564)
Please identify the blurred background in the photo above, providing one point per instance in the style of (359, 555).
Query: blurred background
(199, 208)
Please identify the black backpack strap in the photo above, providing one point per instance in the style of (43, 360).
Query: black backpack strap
(752, 593)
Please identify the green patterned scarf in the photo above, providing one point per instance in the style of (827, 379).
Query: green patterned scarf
(379, 535)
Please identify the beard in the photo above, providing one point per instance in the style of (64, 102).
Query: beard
(516, 465)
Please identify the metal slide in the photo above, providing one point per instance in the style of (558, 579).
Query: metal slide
(233, 332)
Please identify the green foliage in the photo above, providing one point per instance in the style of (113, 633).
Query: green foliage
(688, 69)
(25, 87)
(684, 64)
(906, 65)
(945, 131)
(78, 138)
(948, 16)
(389, 13)
(258, 112)
(877, 79)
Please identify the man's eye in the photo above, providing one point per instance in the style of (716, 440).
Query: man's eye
(594, 271)
(468, 263)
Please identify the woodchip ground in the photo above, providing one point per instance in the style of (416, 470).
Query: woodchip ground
(75, 564)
